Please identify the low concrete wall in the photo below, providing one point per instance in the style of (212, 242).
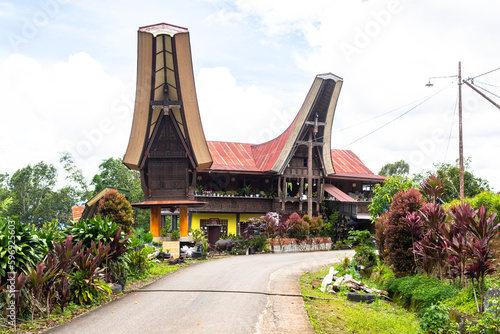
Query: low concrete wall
(294, 245)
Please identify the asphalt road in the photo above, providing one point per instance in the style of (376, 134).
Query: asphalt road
(239, 294)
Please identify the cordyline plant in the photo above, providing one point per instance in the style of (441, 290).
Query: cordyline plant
(481, 229)
(415, 226)
(434, 217)
(432, 188)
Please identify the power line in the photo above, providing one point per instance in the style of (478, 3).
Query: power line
(395, 119)
(486, 90)
(378, 116)
(487, 84)
(477, 76)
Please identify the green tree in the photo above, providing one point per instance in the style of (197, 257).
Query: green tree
(114, 174)
(4, 189)
(75, 175)
(450, 174)
(34, 198)
(383, 194)
(400, 167)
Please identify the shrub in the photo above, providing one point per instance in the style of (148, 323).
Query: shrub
(27, 251)
(315, 225)
(437, 320)
(93, 229)
(86, 281)
(138, 261)
(398, 238)
(365, 249)
(48, 233)
(147, 238)
(383, 195)
(420, 292)
(116, 207)
(380, 226)
(299, 229)
(118, 272)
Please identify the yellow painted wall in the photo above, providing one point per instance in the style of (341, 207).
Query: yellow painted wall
(231, 220)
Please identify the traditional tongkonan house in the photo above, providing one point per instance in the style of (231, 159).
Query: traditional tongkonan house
(224, 183)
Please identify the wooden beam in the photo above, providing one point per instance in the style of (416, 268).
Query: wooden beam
(314, 123)
(308, 143)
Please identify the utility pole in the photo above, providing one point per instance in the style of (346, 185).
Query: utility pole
(460, 135)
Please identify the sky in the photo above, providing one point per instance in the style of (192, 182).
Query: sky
(68, 72)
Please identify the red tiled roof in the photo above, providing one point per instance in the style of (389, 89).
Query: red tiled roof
(348, 164)
(232, 156)
(77, 212)
(243, 157)
(265, 154)
(338, 194)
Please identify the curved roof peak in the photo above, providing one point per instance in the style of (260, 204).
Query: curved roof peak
(319, 103)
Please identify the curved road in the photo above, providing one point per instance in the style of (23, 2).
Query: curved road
(238, 294)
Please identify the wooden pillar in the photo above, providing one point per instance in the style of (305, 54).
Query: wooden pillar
(279, 187)
(155, 221)
(309, 175)
(183, 221)
(283, 195)
(301, 192)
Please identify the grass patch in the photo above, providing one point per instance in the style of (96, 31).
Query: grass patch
(339, 315)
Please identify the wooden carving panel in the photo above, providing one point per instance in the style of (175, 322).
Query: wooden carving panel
(167, 178)
(167, 143)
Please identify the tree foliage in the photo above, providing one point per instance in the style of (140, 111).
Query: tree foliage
(34, 199)
(383, 194)
(450, 174)
(401, 168)
(75, 175)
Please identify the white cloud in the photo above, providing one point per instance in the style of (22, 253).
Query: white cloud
(67, 106)
(225, 17)
(233, 112)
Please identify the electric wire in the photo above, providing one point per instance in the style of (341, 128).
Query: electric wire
(378, 116)
(395, 119)
(485, 90)
(480, 75)
(487, 84)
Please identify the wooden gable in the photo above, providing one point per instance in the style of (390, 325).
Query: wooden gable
(166, 170)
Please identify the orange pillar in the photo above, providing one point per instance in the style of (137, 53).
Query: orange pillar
(155, 221)
(184, 221)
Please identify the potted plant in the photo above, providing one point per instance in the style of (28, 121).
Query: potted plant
(199, 189)
(262, 194)
(246, 190)
(232, 193)
(176, 234)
